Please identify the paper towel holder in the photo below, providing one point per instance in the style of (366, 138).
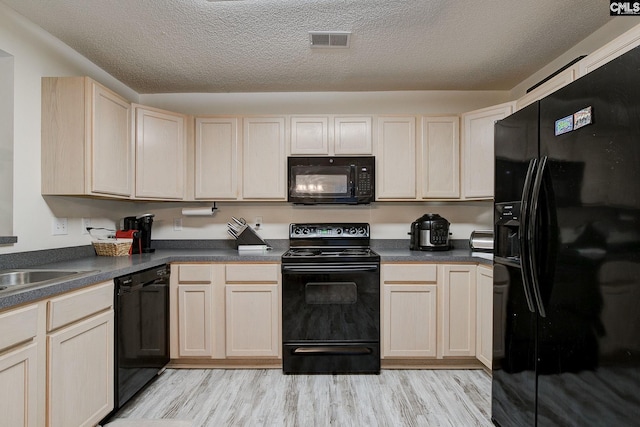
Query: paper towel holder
(200, 211)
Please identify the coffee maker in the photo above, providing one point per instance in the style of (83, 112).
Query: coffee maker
(142, 223)
(430, 232)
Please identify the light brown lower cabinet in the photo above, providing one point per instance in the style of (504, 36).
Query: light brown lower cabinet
(80, 372)
(484, 323)
(19, 367)
(458, 316)
(56, 360)
(80, 347)
(195, 308)
(197, 311)
(429, 311)
(408, 306)
(409, 310)
(252, 320)
(252, 303)
(222, 311)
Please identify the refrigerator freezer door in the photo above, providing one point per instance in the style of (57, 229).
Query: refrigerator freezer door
(514, 379)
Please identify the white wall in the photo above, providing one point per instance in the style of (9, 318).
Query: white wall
(389, 220)
(6, 144)
(37, 54)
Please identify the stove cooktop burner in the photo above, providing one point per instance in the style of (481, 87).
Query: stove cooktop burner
(303, 252)
(328, 253)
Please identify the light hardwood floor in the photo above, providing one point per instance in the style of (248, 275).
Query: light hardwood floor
(267, 397)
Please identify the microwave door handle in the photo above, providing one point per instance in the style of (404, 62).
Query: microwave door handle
(353, 180)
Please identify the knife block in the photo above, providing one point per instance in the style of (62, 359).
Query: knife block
(249, 237)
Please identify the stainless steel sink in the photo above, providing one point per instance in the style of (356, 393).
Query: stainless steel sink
(11, 279)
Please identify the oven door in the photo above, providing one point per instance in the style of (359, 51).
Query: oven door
(331, 302)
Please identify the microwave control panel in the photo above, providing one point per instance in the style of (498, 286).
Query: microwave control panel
(364, 181)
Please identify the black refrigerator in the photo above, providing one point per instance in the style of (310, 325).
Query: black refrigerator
(566, 332)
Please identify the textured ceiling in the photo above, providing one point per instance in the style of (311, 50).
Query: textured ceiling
(168, 46)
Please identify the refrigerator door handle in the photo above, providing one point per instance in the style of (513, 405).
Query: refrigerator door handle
(522, 233)
(532, 232)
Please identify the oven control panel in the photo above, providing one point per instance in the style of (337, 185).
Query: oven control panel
(319, 231)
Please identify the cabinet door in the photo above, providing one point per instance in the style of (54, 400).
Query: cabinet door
(477, 165)
(458, 310)
(309, 135)
(194, 320)
(440, 157)
(216, 158)
(396, 158)
(196, 305)
(409, 325)
(110, 150)
(611, 50)
(86, 139)
(160, 154)
(19, 386)
(264, 158)
(484, 306)
(352, 135)
(252, 320)
(80, 372)
(553, 84)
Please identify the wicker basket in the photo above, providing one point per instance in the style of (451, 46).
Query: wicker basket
(118, 247)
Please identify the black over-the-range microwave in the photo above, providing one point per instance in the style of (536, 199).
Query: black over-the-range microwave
(331, 180)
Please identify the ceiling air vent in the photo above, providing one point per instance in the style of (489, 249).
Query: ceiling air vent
(333, 39)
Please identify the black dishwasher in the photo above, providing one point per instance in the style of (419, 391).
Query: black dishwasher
(142, 330)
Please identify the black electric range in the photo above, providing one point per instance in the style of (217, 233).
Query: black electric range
(330, 300)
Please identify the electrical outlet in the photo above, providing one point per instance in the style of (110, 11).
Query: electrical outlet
(59, 226)
(258, 222)
(86, 223)
(177, 224)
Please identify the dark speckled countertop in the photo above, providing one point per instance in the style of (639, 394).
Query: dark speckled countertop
(101, 268)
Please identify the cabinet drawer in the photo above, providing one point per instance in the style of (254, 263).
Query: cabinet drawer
(18, 326)
(68, 308)
(195, 273)
(261, 273)
(409, 273)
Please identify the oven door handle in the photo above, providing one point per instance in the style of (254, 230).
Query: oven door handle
(320, 268)
(331, 350)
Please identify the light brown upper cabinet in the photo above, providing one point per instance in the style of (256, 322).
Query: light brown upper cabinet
(477, 147)
(160, 141)
(86, 139)
(352, 135)
(440, 156)
(331, 135)
(396, 158)
(216, 158)
(309, 135)
(264, 158)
